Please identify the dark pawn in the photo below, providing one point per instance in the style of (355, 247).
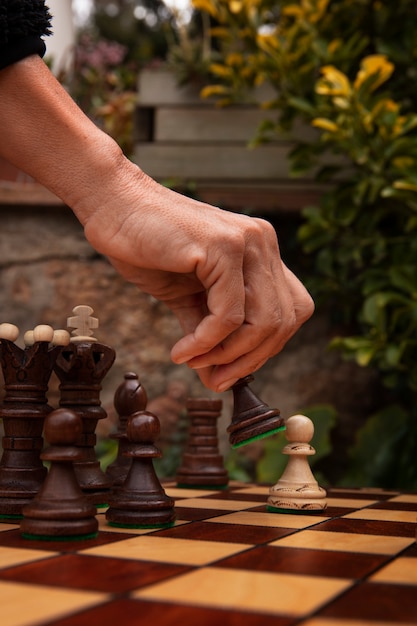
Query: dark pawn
(60, 510)
(252, 419)
(141, 502)
(202, 465)
(130, 397)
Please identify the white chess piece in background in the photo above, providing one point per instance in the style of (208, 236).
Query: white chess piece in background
(297, 489)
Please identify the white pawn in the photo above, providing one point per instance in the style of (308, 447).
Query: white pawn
(297, 490)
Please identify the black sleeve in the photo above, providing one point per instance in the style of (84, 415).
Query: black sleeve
(22, 25)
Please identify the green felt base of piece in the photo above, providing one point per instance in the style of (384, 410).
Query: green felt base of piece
(142, 526)
(10, 517)
(58, 537)
(258, 437)
(274, 509)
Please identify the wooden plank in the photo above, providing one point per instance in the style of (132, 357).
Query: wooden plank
(235, 123)
(261, 198)
(27, 194)
(208, 161)
(207, 124)
(159, 86)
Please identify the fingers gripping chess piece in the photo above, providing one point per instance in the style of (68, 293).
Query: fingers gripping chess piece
(141, 501)
(60, 509)
(26, 374)
(252, 419)
(130, 397)
(297, 489)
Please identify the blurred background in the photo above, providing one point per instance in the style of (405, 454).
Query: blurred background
(302, 112)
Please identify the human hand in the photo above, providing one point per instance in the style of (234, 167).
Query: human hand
(219, 272)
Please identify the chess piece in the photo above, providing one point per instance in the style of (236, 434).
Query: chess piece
(297, 490)
(141, 502)
(60, 510)
(170, 407)
(252, 419)
(202, 465)
(26, 374)
(81, 367)
(130, 397)
(82, 323)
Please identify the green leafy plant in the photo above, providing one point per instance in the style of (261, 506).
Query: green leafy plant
(364, 234)
(190, 52)
(346, 68)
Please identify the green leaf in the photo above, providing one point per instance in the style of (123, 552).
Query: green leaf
(302, 105)
(404, 278)
(365, 355)
(378, 447)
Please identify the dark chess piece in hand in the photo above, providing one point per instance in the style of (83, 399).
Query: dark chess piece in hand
(141, 502)
(60, 510)
(130, 397)
(202, 466)
(26, 373)
(252, 419)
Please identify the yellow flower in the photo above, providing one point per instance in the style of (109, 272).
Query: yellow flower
(404, 185)
(292, 10)
(234, 58)
(334, 45)
(399, 124)
(324, 124)
(220, 70)
(268, 43)
(386, 105)
(317, 9)
(341, 103)
(381, 107)
(375, 64)
(235, 6)
(403, 163)
(206, 5)
(219, 31)
(213, 90)
(311, 10)
(333, 82)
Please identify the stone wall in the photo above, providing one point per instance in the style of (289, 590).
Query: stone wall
(47, 267)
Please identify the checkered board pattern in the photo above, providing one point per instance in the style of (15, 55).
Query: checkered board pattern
(226, 561)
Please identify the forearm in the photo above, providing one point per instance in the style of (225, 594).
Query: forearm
(44, 133)
(220, 273)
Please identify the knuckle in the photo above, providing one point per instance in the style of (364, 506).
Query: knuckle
(234, 319)
(307, 308)
(263, 228)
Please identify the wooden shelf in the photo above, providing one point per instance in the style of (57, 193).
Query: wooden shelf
(27, 194)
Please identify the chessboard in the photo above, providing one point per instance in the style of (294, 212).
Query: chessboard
(225, 560)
